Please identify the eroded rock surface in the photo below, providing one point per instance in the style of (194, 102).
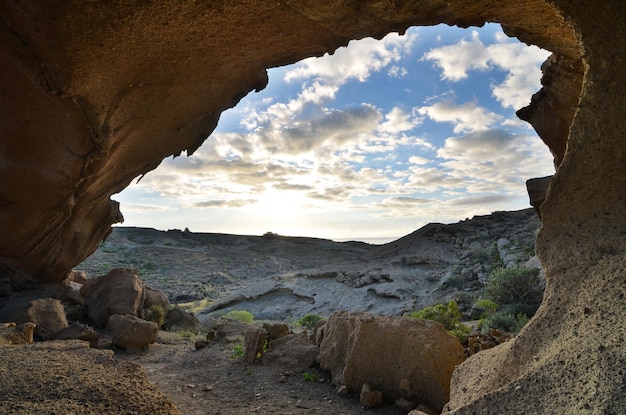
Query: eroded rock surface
(95, 94)
(397, 356)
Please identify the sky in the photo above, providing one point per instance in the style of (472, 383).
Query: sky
(369, 143)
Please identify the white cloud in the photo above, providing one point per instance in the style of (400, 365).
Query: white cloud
(521, 63)
(357, 61)
(397, 121)
(456, 60)
(466, 117)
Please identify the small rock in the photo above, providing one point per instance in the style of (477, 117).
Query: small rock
(282, 379)
(369, 397)
(343, 390)
(200, 344)
(405, 404)
(10, 333)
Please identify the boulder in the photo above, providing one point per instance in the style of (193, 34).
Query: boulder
(400, 357)
(47, 313)
(132, 333)
(78, 331)
(179, 319)
(253, 344)
(156, 306)
(49, 316)
(10, 333)
(369, 397)
(276, 330)
(294, 352)
(118, 292)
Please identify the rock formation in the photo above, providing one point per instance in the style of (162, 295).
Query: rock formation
(396, 356)
(95, 94)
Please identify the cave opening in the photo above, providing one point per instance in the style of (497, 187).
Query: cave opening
(369, 143)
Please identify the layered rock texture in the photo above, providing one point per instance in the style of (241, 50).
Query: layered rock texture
(94, 94)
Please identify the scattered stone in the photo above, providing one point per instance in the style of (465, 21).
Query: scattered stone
(72, 293)
(293, 352)
(79, 277)
(179, 319)
(360, 347)
(282, 379)
(10, 333)
(78, 331)
(118, 292)
(369, 397)
(343, 390)
(426, 410)
(254, 343)
(405, 404)
(276, 330)
(132, 333)
(200, 344)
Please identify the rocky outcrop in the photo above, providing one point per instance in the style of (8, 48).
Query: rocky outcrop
(10, 333)
(121, 291)
(399, 357)
(93, 96)
(132, 333)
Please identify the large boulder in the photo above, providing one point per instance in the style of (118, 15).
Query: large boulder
(293, 352)
(156, 305)
(120, 291)
(400, 357)
(132, 333)
(48, 314)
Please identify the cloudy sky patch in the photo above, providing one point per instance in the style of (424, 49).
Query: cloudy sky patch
(373, 141)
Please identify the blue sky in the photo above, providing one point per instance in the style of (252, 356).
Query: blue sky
(371, 142)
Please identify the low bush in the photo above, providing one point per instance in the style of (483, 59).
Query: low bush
(309, 321)
(515, 285)
(240, 315)
(447, 314)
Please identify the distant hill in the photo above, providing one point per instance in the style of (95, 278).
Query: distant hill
(310, 274)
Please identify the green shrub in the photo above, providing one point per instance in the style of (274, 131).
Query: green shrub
(447, 314)
(156, 313)
(240, 315)
(504, 320)
(309, 377)
(487, 305)
(237, 351)
(516, 285)
(309, 321)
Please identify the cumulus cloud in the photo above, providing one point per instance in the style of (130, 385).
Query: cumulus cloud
(357, 61)
(519, 61)
(466, 117)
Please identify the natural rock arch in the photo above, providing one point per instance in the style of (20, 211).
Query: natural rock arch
(95, 94)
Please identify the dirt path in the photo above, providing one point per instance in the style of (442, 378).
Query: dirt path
(211, 381)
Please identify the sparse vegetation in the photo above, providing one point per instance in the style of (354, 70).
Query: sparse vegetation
(515, 285)
(447, 314)
(309, 377)
(238, 351)
(309, 321)
(240, 315)
(515, 294)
